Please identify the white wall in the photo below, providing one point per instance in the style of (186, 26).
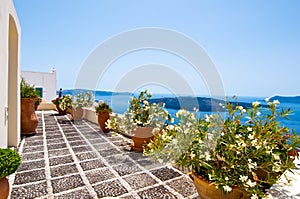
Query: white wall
(10, 33)
(44, 80)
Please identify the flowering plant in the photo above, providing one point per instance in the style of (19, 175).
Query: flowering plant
(64, 103)
(82, 100)
(248, 148)
(140, 113)
(56, 101)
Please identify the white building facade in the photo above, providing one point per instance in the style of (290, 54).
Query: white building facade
(42, 81)
(10, 37)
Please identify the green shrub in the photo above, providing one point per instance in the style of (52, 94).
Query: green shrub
(10, 161)
(102, 107)
(28, 91)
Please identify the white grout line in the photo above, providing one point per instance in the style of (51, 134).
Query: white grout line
(29, 183)
(70, 191)
(47, 165)
(81, 172)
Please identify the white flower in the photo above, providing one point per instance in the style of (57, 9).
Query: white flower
(170, 127)
(254, 142)
(192, 155)
(243, 178)
(255, 104)
(276, 157)
(267, 99)
(222, 134)
(276, 102)
(254, 196)
(251, 136)
(240, 108)
(258, 113)
(276, 168)
(249, 183)
(207, 156)
(244, 111)
(174, 141)
(249, 129)
(226, 178)
(251, 165)
(186, 131)
(227, 188)
(207, 118)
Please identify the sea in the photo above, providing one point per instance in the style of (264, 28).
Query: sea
(119, 103)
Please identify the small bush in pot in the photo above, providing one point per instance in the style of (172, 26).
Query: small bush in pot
(27, 90)
(141, 121)
(29, 120)
(63, 104)
(78, 102)
(10, 161)
(103, 111)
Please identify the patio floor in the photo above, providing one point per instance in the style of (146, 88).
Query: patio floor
(66, 160)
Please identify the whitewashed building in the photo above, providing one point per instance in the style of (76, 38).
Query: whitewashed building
(42, 81)
(10, 37)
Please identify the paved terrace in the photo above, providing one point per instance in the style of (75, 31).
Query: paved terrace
(64, 160)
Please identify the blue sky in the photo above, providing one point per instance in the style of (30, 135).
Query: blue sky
(255, 45)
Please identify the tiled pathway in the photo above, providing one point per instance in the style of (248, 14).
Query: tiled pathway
(64, 160)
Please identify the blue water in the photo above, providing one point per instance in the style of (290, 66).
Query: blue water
(119, 104)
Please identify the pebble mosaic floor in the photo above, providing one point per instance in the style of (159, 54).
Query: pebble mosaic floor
(66, 160)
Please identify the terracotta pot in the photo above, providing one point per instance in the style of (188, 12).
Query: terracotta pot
(77, 114)
(102, 118)
(140, 137)
(60, 111)
(207, 191)
(29, 120)
(4, 188)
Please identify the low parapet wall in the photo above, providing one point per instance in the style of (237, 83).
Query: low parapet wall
(90, 115)
(46, 106)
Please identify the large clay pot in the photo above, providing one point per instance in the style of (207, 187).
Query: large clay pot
(4, 188)
(102, 118)
(207, 191)
(60, 111)
(29, 120)
(77, 113)
(140, 137)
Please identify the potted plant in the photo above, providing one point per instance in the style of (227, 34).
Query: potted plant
(10, 160)
(141, 121)
(239, 155)
(78, 102)
(29, 120)
(103, 111)
(63, 104)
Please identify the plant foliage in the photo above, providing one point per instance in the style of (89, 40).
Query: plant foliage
(10, 161)
(27, 91)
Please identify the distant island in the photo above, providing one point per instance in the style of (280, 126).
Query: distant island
(205, 104)
(201, 103)
(286, 99)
